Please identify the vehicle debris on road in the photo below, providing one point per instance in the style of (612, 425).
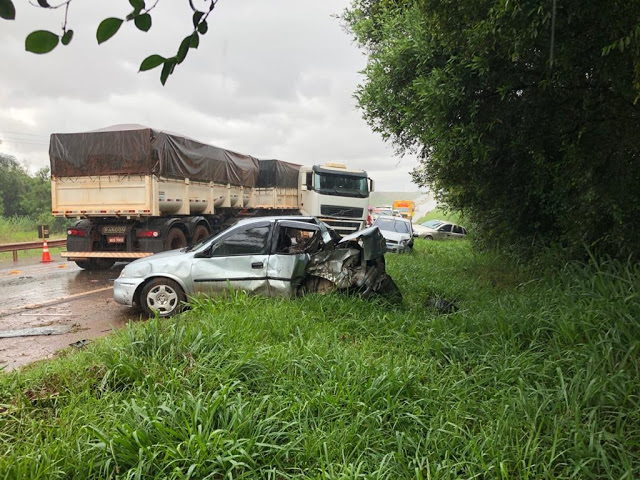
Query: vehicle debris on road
(28, 332)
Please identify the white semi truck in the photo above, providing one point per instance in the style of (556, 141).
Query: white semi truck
(136, 191)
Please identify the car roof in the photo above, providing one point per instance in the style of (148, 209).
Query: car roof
(398, 219)
(275, 218)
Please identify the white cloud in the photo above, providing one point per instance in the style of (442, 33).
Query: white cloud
(272, 79)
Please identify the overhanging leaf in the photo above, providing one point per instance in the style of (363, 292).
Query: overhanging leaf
(203, 27)
(196, 18)
(152, 61)
(183, 49)
(7, 10)
(108, 28)
(137, 4)
(41, 41)
(66, 38)
(195, 40)
(143, 22)
(44, 4)
(167, 70)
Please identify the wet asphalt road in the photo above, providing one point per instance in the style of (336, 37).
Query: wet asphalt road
(58, 295)
(30, 282)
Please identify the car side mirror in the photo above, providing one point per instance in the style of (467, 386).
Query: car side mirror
(203, 254)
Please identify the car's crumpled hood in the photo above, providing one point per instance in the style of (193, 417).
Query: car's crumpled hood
(356, 263)
(370, 239)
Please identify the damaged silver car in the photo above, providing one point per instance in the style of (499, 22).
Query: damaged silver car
(275, 256)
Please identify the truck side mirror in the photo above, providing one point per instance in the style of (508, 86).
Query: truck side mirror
(309, 181)
(372, 185)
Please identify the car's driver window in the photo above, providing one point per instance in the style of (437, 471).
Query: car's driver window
(252, 241)
(294, 240)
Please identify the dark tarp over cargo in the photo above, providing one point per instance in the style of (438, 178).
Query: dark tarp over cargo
(276, 173)
(140, 150)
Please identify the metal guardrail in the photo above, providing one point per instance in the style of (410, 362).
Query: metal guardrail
(16, 247)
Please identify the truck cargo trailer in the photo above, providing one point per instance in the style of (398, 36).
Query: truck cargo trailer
(136, 191)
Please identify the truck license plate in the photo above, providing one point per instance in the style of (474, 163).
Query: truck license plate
(115, 239)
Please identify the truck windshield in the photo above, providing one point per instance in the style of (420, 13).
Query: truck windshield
(341, 184)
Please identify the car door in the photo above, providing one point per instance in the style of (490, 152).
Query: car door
(444, 232)
(293, 244)
(237, 260)
(457, 232)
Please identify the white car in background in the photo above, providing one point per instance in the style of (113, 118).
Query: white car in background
(397, 233)
(439, 230)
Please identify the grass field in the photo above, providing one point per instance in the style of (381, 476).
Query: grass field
(22, 229)
(441, 214)
(517, 377)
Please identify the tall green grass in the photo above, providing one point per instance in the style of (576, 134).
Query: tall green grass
(531, 377)
(440, 213)
(25, 229)
(17, 229)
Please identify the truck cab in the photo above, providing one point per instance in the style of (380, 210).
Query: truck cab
(336, 195)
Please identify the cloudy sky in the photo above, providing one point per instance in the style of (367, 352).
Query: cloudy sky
(273, 79)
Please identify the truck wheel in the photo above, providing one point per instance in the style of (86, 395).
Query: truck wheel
(175, 239)
(200, 233)
(95, 263)
(161, 296)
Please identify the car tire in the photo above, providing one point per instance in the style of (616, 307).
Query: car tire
(161, 296)
(428, 237)
(200, 233)
(313, 284)
(175, 239)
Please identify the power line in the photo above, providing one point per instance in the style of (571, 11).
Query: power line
(21, 133)
(4, 140)
(23, 138)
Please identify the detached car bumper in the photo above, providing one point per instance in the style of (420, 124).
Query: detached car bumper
(124, 290)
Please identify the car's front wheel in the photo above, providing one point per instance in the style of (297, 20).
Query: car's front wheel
(162, 296)
(428, 237)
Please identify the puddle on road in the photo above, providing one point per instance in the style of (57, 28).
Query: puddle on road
(88, 318)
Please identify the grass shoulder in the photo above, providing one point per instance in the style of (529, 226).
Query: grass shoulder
(528, 377)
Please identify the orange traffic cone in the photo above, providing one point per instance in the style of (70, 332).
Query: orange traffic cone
(45, 253)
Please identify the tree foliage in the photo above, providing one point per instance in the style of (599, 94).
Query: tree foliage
(522, 117)
(23, 195)
(13, 185)
(45, 41)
